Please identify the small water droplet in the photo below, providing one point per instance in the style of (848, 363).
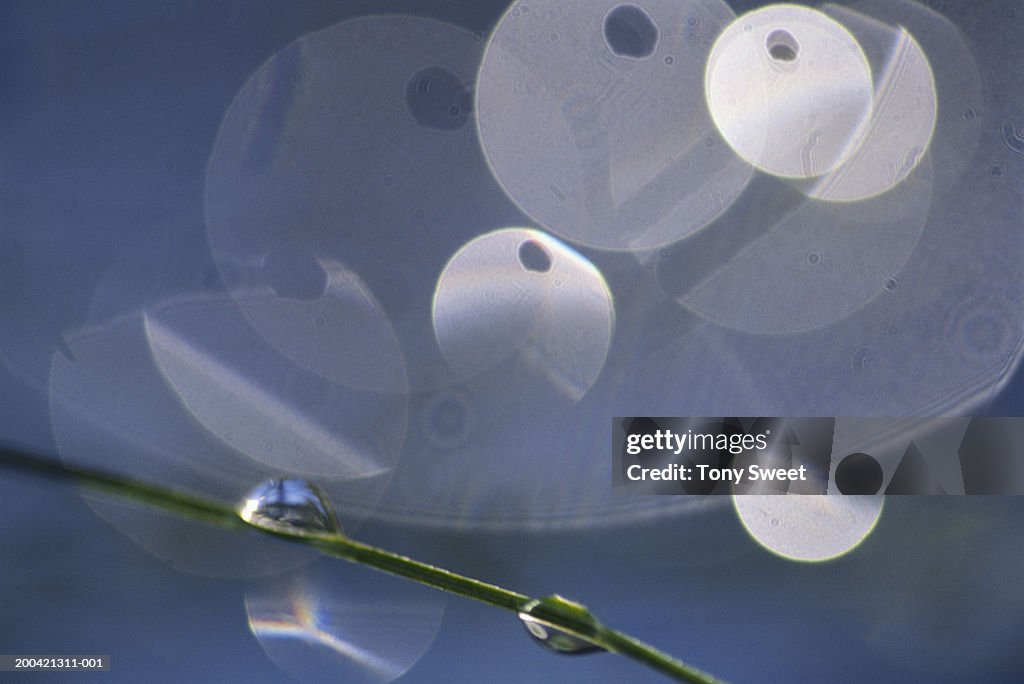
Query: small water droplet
(996, 171)
(670, 60)
(552, 638)
(969, 114)
(775, 522)
(294, 506)
(828, 337)
(891, 284)
(813, 258)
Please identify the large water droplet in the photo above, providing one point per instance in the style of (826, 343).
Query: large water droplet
(289, 506)
(550, 637)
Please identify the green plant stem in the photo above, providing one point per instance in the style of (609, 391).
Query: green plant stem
(575, 620)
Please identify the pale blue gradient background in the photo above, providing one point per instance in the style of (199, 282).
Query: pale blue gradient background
(108, 112)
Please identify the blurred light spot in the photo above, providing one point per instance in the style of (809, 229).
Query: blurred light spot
(793, 94)
(596, 142)
(517, 292)
(806, 527)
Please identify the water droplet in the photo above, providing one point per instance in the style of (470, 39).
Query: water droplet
(892, 283)
(775, 522)
(969, 114)
(996, 171)
(630, 32)
(550, 637)
(828, 337)
(670, 60)
(814, 258)
(294, 506)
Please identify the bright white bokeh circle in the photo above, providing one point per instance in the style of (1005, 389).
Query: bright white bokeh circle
(808, 528)
(790, 90)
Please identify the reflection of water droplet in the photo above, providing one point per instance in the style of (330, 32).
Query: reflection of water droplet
(533, 257)
(782, 46)
(630, 32)
(289, 506)
(553, 638)
(437, 99)
(333, 622)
